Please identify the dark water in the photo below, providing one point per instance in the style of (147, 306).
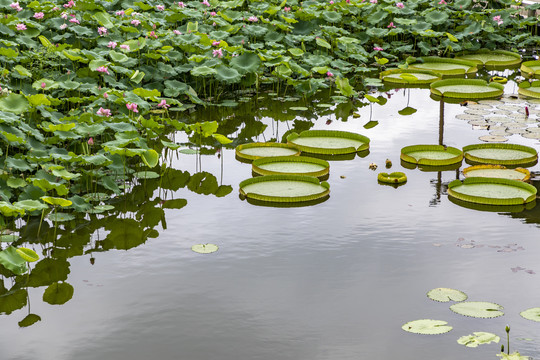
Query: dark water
(332, 281)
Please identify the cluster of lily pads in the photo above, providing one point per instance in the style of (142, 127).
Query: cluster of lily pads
(475, 309)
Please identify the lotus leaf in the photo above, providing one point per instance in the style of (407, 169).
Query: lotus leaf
(478, 309)
(59, 217)
(29, 320)
(478, 338)
(58, 293)
(427, 327)
(14, 103)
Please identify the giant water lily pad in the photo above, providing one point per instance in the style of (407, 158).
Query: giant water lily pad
(531, 314)
(531, 69)
(409, 77)
(478, 338)
(478, 309)
(493, 59)
(466, 89)
(295, 165)
(492, 191)
(329, 142)
(531, 89)
(497, 171)
(501, 154)
(427, 327)
(431, 155)
(445, 66)
(253, 151)
(446, 295)
(284, 188)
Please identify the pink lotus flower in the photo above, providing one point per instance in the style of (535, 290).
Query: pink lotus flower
(102, 30)
(177, 32)
(331, 2)
(498, 20)
(70, 4)
(216, 43)
(63, 26)
(124, 47)
(218, 53)
(205, 2)
(329, 74)
(39, 15)
(91, 140)
(43, 85)
(74, 20)
(376, 48)
(21, 27)
(442, 2)
(153, 35)
(103, 69)
(163, 104)
(120, 13)
(391, 25)
(64, 15)
(213, 13)
(400, 5)
(135, 22)
(112, 44)
(16, 6)
(214, 23)
(286, 9)
(132, 107)
(103, 112)
(105, 95)
(253, 19)
(160, 7)
(373, 1)
(181, 5)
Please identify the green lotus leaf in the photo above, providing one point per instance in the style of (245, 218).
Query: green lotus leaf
(104, 19)
(98, 209)
(29, 320)
(150, 158)
(227, 74)
(331, 16)
(13, 261)
(8, 209)
(60, 217)
(8, 238)
(323, 43)
(478, 309)
(49, 84)
(478, 338)
(437, 17)
(531, 314)
(12, 300)
(392, 178)
(466, 88)
(55, 201)
(22, 71)
(96, 196)
(69, 85)
(58, 293)
(431, 155)
(446, 295)
(407, 111)
(146, 175)
(344, 87)
(27, 254)
(296, 51)
(16, 182)
(204, 248)
(223, 140)
(202, 71)
(427, 327)
(14, 103)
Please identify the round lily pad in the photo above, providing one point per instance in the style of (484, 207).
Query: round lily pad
(478, 309)
(466, 89)
(59, 216)
(531, 314)
(329, 142)
(493, 59)
(446, 295)
(478, 338)
(294, 165)
(431, 155)
(494, 137)
(253, 151)
(146, 175)
(409, 77)
(284, 188)
(501, 154)
(392, 178)
(530, 69)
(96, 196)
(492, 191)
(445, 66)
(427, 327)
(204, 248)
(532, 89)
(497, 171)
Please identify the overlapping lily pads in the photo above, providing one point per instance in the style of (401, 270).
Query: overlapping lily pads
(492, 191)
(293, 165)
(497, 171)
(478, 338)
(329, 142)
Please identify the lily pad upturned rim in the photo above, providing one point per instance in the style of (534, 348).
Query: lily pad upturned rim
(284, 199)
(478, 309)
(431, 162)
(427, 327)
(292, 159)
(495, 91)
(391, 80)
(448, 73)
(329, 133)
(453, 192)
(478, 160)
(526, 71)
(392, 178)
(526, 173)
(249, 158)
(525, 86)
(494, 64)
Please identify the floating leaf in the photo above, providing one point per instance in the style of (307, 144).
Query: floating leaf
(8, 238)
(204, 248)
(27, 254)
(427, 327)
(446, 295)
(55, 201)
(59, 216)
(478, 338)
(150, 158)
(531, 314)
(479, 309)
(146, 175)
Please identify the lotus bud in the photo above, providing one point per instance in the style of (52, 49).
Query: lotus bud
(91, 141)
(43, 85)
(507, 329)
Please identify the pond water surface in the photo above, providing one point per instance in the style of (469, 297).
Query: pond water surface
(333, 281)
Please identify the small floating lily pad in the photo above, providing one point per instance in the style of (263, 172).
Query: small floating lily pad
(445, 66)
(478, 338)
(501, 154)
(253, 151)
(146, 175)
(446, 295)
(431, 155)
(497, 171)
(409, 76)
(478, 309)
(294, 165)
(493, 59)
(531, 314)
(427, 327)
(494, 137)
(59, 216)
(204, 248)
(284, 188)
(492, 191)
(329, 142)
(530, 69)
(392, 178)
(532, 89)
(466, 89)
